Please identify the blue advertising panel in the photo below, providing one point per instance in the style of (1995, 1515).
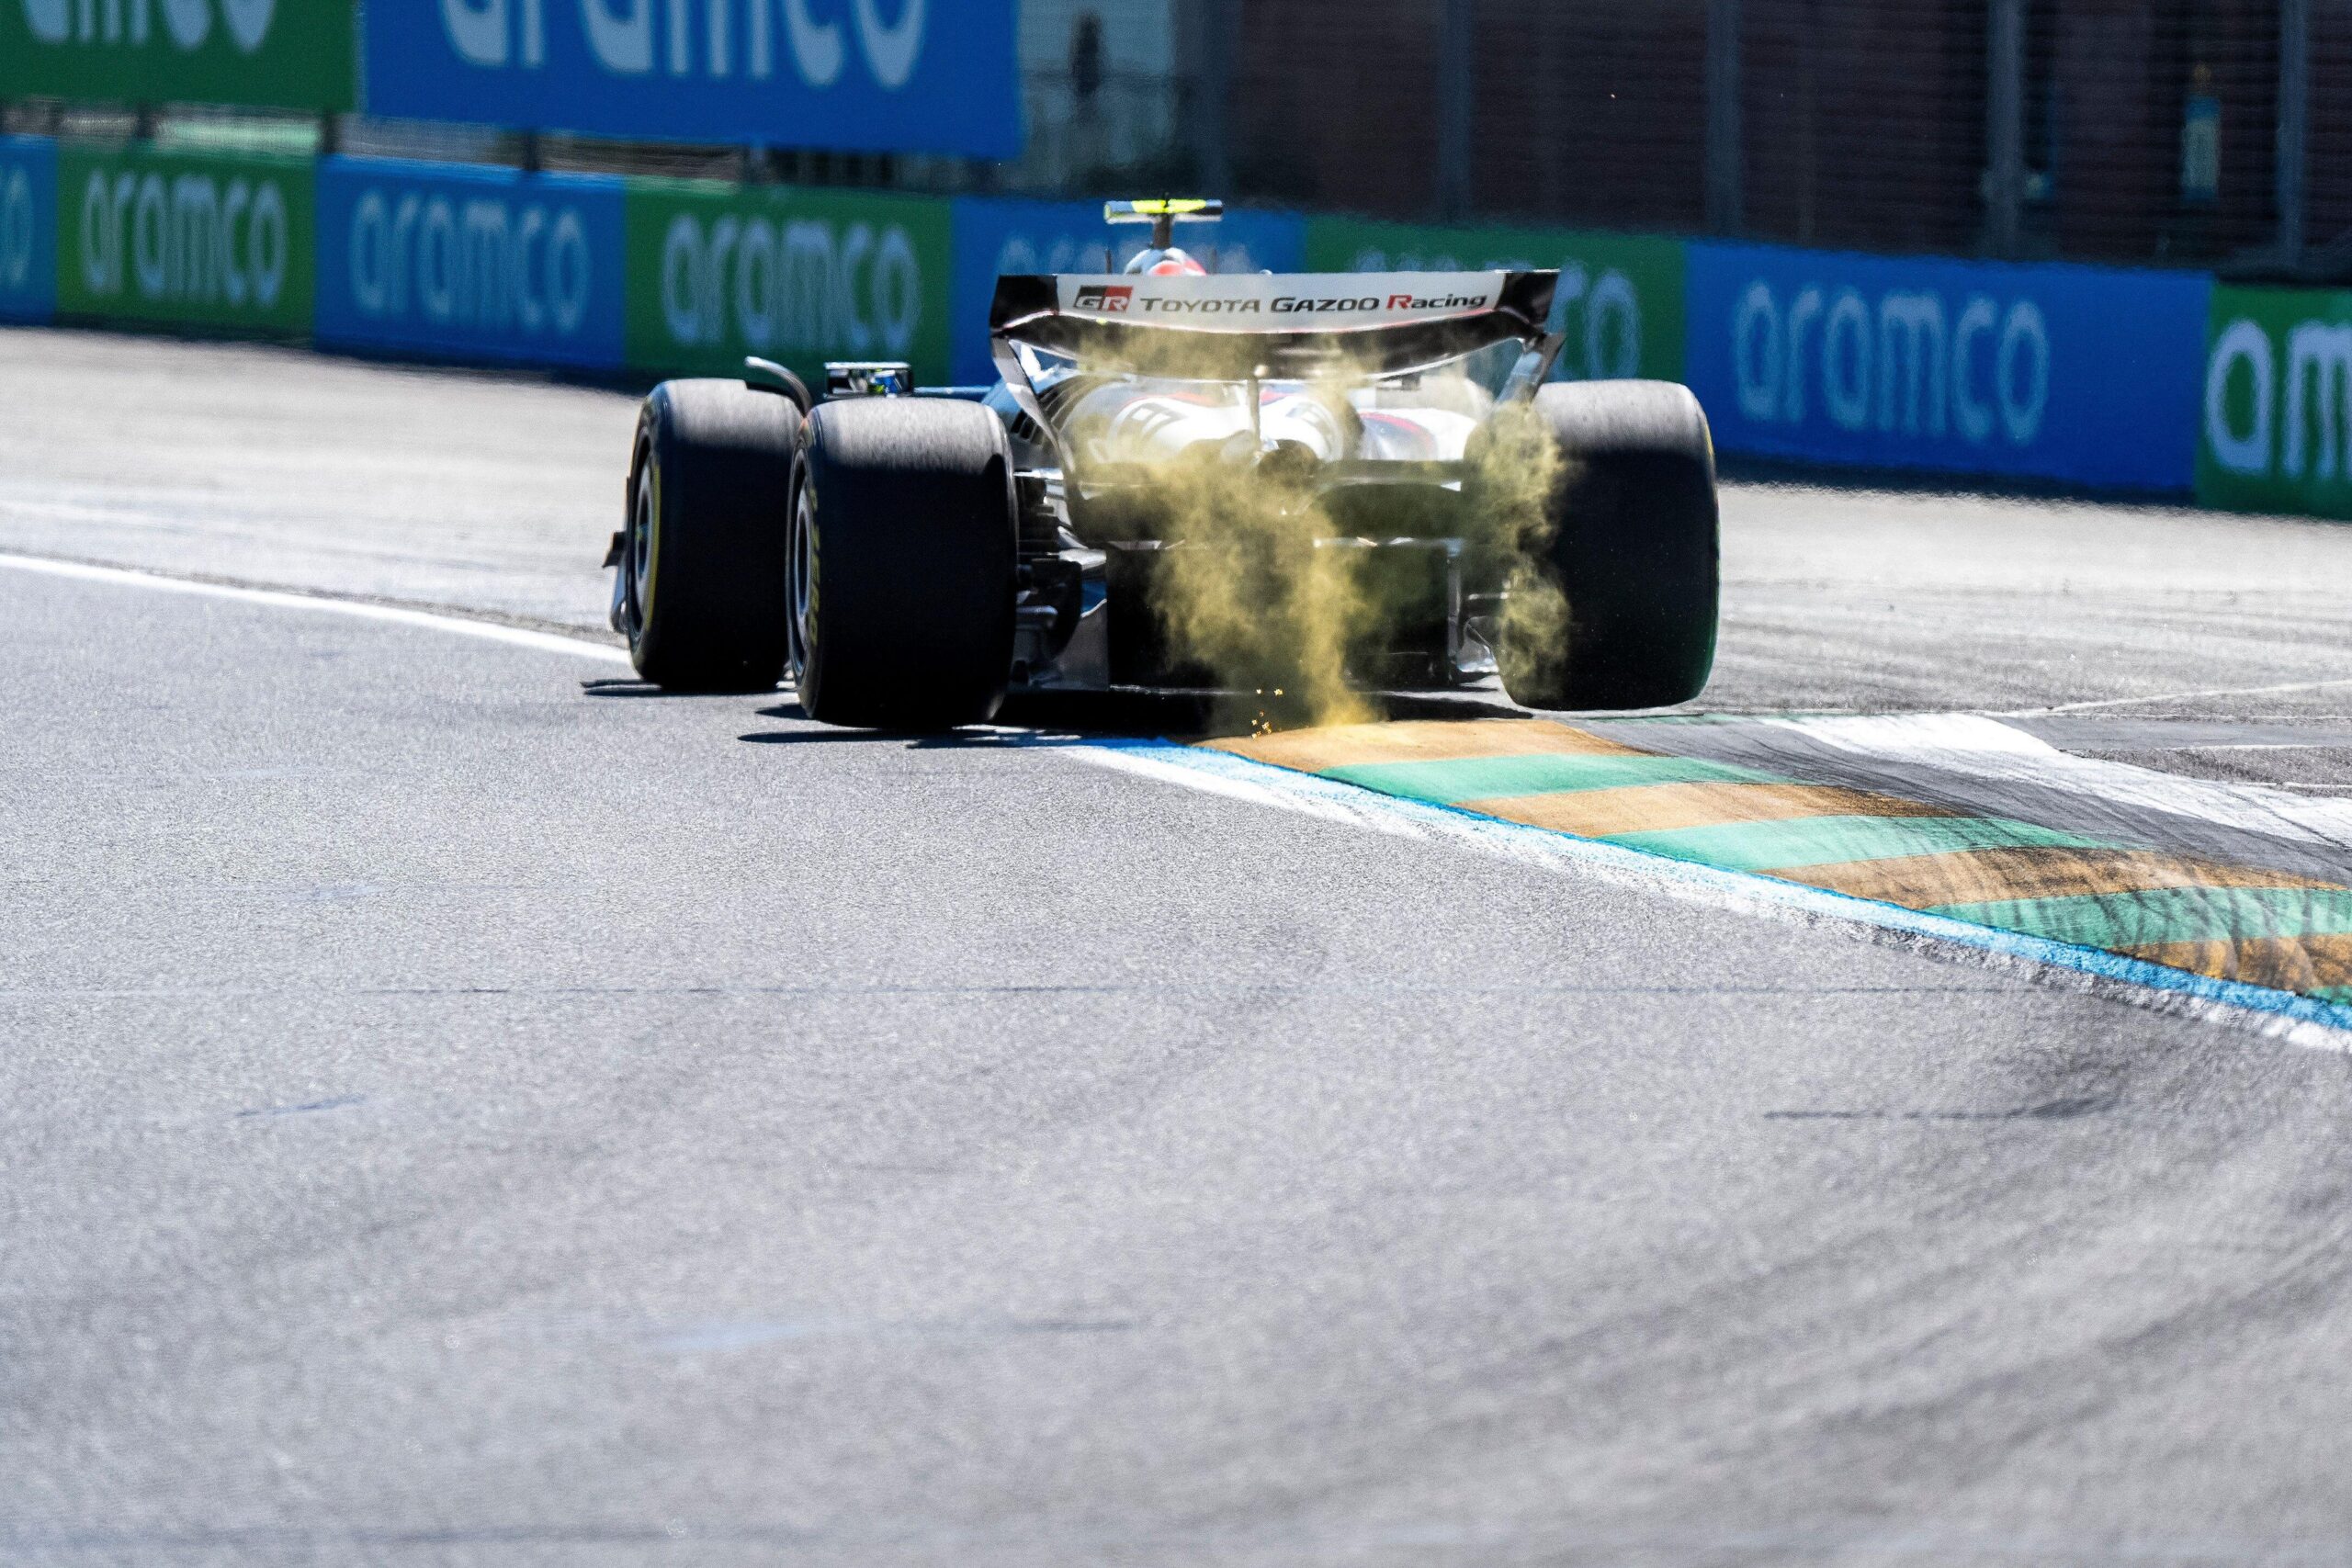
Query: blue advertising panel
(27, 228)
(995, 238)
(471, 263)
(2085, 375)
(854, 76)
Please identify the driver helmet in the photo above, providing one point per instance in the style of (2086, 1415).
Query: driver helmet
(1169, 263)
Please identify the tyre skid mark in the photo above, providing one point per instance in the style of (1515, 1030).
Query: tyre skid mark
(2241, 938)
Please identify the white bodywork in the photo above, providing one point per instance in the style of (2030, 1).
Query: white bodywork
(1144, 423)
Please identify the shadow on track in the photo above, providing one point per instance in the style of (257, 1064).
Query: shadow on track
(1123, 715)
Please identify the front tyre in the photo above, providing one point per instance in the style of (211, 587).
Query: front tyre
(700, 593)
(904, 564)
(1634, 547)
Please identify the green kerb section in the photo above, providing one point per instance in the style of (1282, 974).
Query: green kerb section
(2339, 995)
(1499, 778)
(2170, 915)
(1833, 841)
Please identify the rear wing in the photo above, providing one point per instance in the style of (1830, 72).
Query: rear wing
(1270, 326)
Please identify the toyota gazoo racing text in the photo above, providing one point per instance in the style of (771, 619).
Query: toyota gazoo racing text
(909, 556)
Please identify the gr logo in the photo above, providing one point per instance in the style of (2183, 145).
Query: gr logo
(17, 233)
(188, 23)
(714, 38)
(1903, 365)
(805, 286)
(187, 240)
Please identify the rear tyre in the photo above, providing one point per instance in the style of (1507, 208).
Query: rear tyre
(1634, 548)
(701, 590)
(904, 562)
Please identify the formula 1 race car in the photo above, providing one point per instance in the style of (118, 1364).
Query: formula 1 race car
(907, 557)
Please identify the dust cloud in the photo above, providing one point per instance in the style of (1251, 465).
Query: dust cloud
(1263, 591)
(1255, 594)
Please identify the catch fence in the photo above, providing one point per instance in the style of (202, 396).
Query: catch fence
(2172, 133)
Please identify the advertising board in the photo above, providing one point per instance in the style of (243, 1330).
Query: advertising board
(187, 239)
(2275, 426)
(289, 54)
(2083, 375)
(27, 228)
(468, 263)
(717, 272)
(939, 77)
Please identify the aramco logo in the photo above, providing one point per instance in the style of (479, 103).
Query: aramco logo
(188, 24)
(2255, 431)
(802, 284)
(187, 239)
(712, 40)
(479, 263)
(1902, 364)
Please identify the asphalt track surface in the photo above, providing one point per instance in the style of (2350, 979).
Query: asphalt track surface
(464, 1109)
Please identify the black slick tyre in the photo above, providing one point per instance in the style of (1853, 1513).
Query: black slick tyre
(904, 564)
(1634, 547)
(701, 590)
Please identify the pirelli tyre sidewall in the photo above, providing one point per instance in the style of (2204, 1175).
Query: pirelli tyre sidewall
(701, 592)
(904, 563)
(1634, 549)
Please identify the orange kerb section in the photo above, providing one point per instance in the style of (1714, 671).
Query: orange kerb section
(1984, 876)
(1436, 740)
(1660, 808)
(2286, 964)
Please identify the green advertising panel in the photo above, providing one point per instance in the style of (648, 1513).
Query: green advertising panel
(2277, 412)
(717, 272)
(187, 239)
(1621, 296)
(293, 54)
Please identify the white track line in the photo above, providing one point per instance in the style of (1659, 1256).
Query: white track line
(2171, 697)
(352, 609)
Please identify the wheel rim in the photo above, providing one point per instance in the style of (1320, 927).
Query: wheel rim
(644, 519)
(803, 572)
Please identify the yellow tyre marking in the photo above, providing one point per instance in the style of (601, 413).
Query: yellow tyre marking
(652, 539)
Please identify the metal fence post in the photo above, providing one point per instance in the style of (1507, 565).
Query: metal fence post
(2004, 129)
(1456, 82)
(2294, 122)
(1208, 61)
(1725, 198)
